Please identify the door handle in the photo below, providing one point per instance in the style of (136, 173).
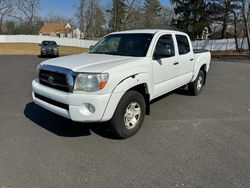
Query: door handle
(191, 59)
(176, 63)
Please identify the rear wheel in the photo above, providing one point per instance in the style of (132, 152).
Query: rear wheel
(129, 115)
(195, 87)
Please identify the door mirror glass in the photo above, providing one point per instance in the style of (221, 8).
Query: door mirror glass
(163, 53)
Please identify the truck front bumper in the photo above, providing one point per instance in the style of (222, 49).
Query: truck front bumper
(77, 107)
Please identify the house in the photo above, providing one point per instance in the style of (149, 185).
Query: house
(56, 29)
(77, 33)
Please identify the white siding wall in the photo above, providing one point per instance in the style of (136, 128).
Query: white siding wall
(212, 45)
(222, 44)
(38, 39)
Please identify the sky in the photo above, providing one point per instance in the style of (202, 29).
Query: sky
(66, 7)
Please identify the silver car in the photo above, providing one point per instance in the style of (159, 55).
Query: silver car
(49, 48)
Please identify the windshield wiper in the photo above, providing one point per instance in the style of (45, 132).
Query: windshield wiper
(100, 53)
(108, 53)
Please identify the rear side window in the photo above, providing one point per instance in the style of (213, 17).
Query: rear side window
(183, 44)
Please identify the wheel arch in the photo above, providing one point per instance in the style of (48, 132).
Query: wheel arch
(137, 83)
(203, 67)
(204, 70)
(143, 90)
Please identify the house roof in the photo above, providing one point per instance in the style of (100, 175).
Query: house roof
(54, 27)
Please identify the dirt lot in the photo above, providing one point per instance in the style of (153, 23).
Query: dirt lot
(231, 53)
(33, 49)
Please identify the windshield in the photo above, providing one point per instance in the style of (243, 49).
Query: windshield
(48, 43)
(123, 44)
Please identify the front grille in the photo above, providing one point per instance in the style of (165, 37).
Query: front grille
(50, 51)
(53, 102)
(54, 80)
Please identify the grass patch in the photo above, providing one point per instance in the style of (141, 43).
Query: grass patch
(245, 53)
(34, 49)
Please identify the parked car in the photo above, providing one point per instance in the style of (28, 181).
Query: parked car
(49, 48)
(119, 76)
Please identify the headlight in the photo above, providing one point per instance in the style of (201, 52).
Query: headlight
(90, 82)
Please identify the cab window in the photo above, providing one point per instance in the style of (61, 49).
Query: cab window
(164, 47)
(183, 44)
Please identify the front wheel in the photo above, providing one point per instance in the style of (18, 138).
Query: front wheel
(196, 86)
(129, 115)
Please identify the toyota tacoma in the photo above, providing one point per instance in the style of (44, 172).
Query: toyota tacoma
(119, 76)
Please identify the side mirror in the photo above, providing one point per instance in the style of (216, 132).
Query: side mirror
(163, 52)
(58, 46)
(40, 44)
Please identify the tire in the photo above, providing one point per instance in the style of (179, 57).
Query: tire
(56, 54)
(129, 115)
(195, 87)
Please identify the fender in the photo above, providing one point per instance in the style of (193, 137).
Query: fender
(132, 81)
(121, 88)
(202, 62)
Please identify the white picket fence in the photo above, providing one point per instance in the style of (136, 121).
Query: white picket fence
(38, 39)
(220, 45)
(212, 45)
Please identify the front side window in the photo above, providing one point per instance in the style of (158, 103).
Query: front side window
(183, 44)
(135, 45)
(164, 47)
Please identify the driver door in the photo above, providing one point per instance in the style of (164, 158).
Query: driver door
(165, 65)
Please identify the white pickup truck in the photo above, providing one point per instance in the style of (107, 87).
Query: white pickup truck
(119, 76)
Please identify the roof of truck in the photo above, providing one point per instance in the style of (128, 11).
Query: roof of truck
(150, 31)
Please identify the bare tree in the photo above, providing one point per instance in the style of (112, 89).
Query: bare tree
(81, 11)
(129, 6)
(80, 14)
(246, 14)
(225, 17)
(26, 10)
(52, 17)
(135, 20)
(5, 10)
(95, 21)
(167, 14)
(235, 23)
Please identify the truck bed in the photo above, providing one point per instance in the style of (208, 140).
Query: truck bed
(196, 51)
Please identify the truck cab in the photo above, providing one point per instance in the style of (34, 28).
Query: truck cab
(119, 76)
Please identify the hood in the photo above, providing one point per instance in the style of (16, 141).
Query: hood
(89, 62)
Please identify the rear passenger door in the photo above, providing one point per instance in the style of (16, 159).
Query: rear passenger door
(185, 59)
